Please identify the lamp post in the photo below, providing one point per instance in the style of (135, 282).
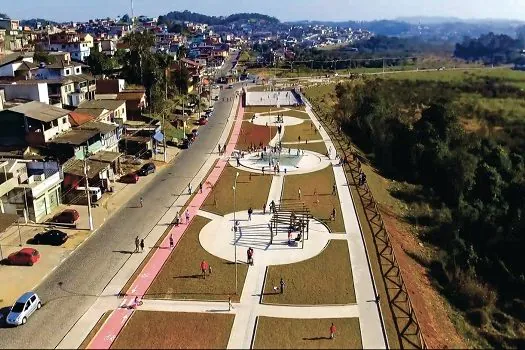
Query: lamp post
(235, 228)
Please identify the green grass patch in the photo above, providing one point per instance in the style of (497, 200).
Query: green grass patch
(296, 113)
(320, 205)
(293, 333)
(175, 330)
(250, 193)
(180, 276)
(325, 279)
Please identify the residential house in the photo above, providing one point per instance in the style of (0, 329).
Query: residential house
(113, 89)
(107, 46)
(78, 45)
(35, 122)
(30, 189)
(17, 65)
(110, 86)
(37, 91)
(109, 111)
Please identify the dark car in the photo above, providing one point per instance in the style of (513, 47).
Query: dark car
(131, 178)
(51, 237)
(25, 256)
(148, 168)
(68, 216)
(185, 144)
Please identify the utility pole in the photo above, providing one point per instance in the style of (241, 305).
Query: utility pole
(87, 191)
(235, 229)
(164, 112)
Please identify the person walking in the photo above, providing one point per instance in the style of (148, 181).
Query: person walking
(332, 331)
(282, 284)
(219, 148)
(171, 241)
(333, 213)
(142, 245)
(230, 306)
(187, 216)
(250, 211)
(299, 192)
(264, 209)
(334, 189)
(141, 202)
(189, 189)
(177, 219)
(200, 187)
(137, 244)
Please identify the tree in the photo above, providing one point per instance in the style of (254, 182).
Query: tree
(182, 52)
(41, 55)
(98, 62)
(180, 78)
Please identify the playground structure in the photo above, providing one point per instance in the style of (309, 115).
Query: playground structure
(291, 217)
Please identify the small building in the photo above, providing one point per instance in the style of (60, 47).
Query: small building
(30, 189)
(116, 110)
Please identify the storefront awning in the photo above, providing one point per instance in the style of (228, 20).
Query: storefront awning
(158, 136)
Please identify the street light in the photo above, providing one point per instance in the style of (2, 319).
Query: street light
(235, 228)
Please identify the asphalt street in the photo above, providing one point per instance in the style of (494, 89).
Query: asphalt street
(72, 288)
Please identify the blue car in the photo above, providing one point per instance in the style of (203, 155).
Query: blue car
(24, 307)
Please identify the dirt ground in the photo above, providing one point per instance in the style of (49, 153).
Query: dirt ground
(431, 309)
(252, 134)
(175, 330)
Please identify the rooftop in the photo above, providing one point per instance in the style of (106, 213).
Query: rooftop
(105, 156)
(98, 104)
(40, 111)
(77, 119)
(76, 167)
(94, 112)
(75, 136)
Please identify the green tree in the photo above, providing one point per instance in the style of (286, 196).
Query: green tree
(41, 55)
(98, 62)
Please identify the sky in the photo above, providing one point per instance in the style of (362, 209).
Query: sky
(337, 10)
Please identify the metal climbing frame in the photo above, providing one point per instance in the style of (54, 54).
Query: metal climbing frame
(290, 215)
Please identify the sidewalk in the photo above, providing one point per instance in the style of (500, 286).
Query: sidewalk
(369, 318)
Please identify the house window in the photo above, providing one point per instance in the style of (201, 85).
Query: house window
(77, 70)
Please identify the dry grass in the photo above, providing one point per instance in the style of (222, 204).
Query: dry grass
(95, 330)
(318, 147)
(291, 333)
(250, 193)
(252, 134)
(175, 330)
(325, 279)
(266, 109)
(320, 181)
(305, 130)
(180, 276)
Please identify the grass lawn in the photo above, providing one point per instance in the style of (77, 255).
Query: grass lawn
(293, 333)
(254, 134)
(318, 147)
(175, 330)
(297, 114)
(180, 276)
(321, 181)
(250, 193)
(322, 280)
(304, 130)
(95, 330)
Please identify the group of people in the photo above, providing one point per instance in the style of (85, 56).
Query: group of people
(139, 244)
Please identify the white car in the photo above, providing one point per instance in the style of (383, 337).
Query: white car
(23, 308)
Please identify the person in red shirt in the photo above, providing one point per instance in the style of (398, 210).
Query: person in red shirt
(332, 331)
(204, 268)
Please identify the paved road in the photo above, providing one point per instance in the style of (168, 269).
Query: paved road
(72, 288)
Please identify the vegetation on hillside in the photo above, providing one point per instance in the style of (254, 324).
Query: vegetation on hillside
(182, 16)
(474, 185)
(489, 48)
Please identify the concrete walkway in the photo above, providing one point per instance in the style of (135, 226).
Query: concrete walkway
(369, 318)
(83, 326)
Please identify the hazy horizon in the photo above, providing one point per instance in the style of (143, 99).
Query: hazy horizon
(292, 10)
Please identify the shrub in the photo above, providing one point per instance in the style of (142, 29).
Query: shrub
(473, 294)
(478, 317)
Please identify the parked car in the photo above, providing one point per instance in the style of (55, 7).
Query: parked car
(24, 307)
(25, 256)
(195, 132)
(68, 216)
(185, 144)
(131, 178)
(148, 168)
(230, 86)
(216, 98)
(203, 121)
(51, 237)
